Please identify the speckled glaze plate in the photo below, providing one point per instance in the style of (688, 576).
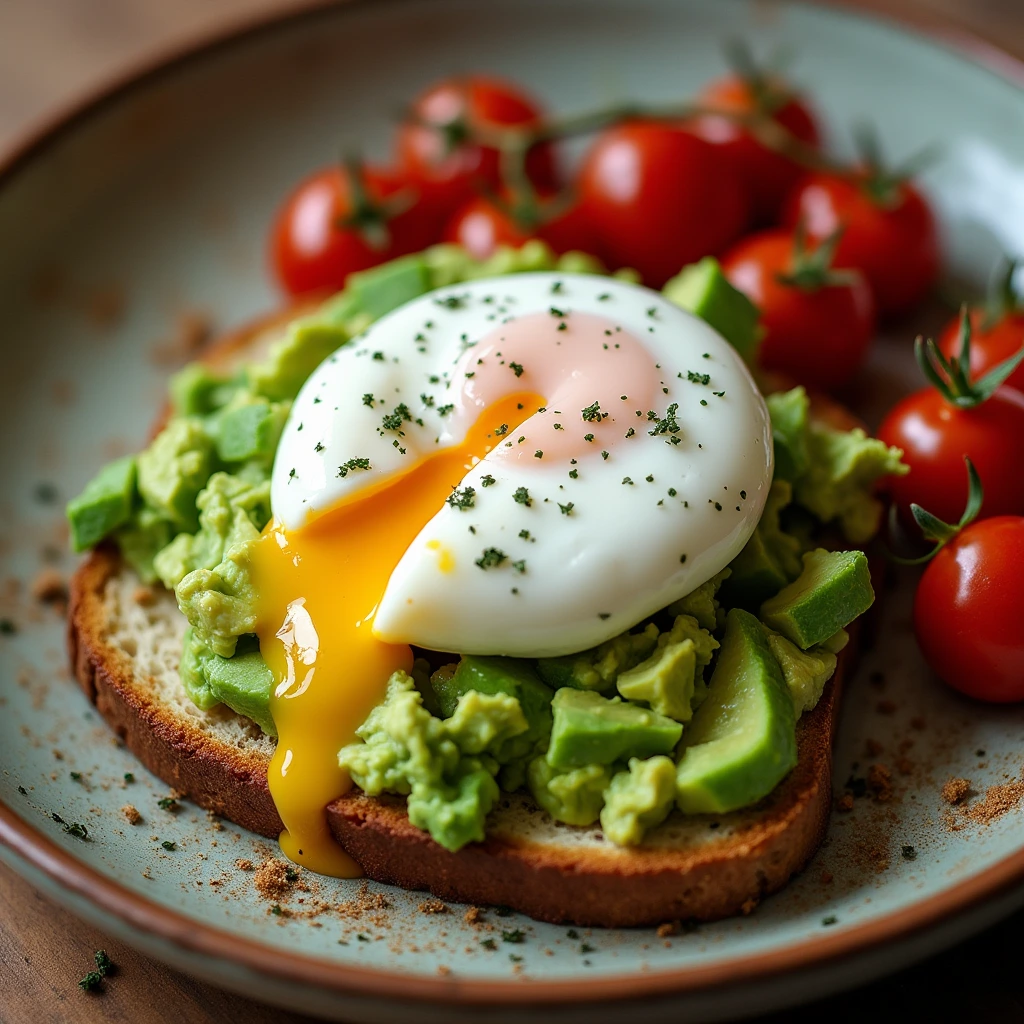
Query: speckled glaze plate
(139, 218)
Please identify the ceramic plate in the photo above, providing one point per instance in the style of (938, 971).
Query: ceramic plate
(139, 220)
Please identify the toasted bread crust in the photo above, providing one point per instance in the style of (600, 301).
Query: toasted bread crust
(756, 852)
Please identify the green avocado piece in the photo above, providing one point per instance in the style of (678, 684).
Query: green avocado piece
(251, 431)
(511, 676)
(306, 344)
(174, 469)
(599, 667)
(195, 391)
(704, 290)
(742, 740)
(831, 591)
(575, 795)
(590, 729)
(104, 504)
(242, 682)
(142, 539)
(805, 672)
(664, 681)
(638, 799)
(392, 284)
(769, 560)
(790, 415)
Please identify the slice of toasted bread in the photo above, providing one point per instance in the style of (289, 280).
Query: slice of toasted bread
(125, 643)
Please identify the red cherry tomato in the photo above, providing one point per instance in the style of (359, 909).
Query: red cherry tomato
(969, 609)
(817, 332)
(435, 150)
(892, 240)
(990, 345)
(769, 175)
(936, 435)
(482, 225)
(659, 197)
(312, 247)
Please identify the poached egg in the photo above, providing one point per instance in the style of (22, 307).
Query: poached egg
(526, 466)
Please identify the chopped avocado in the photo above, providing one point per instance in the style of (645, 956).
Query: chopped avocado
(485, 722)
(742, 740)
(390, 285)
(575, 795)
(638, 799)
(173, 470)
(836, 642)
(404, 749)
(141, 540)
(702, 289)
(769, 560)
(306, 344)
(105, 503)
(702, 603)
(590, 729)
(250, 431)
(196, 391)
(831, 591)
(242, 682)
(805, 672)
(671, 681)
(340, 310)
(838, 485)
(790, 415)
(599, 667)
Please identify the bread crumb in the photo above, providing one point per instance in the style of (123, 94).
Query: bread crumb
(131, 813)
(667, 929)
(49, 587)
(845, 803)
(996, 802)
(748, 906)
(144, 596)
(433, 906)
(243, 864)
(955, 790)
(472, 915)
(443, 970)
(271, 878)
(880, 783)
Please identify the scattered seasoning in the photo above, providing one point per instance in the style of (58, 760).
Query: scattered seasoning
(167, 803)
(830, 920)
(573, 474)
(566, 509)
(698, 378)
(502, 430)
(572, 933)
(77, 776)
(486, 481)
(516, 368)
(593, 414)
(318, 447)
(538, 454)
(604, 615)
(558, 313)
(92, 982)
(955, 790)
(491, 558)
(7, 627)
(73, 828)
(630, 432)
(368, 399)
(464, 498)
(556, 288)
(672, 492)
(276, 910)
(604, 455)
(516, 935)
(627, 480)
(167, 844)
(520, 566)
(525, 535)
(587, 948)
(128, 777)
(444, 410)
(515, 958)
(379, 356)
(23, 791)
(522, 497)
(451, 302)
(352, 465)
(131, 814)
(104, 964)
(682, 559)
(588, 437)
(488, 944)
(649, 478)
(909, 853)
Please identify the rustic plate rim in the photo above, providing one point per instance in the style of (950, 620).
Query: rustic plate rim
(190, 934)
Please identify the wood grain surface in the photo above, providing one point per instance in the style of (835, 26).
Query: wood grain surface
(50, 50)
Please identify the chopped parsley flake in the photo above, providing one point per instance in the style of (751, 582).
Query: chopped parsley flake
(573, 474)
(558, 312)
(538, 454)
(698, 378)
(649, 478)
(368, 399)
(486, 481)
(522, 497)
(427, 400)
(352, 465)
(627, 480)
(668, 425)
(672, 492)
(491, 558)
(718, 394)
(525, 535)
(588, 437)
(604, 455)
(488, 944)
(502, 430)
(379, 356)
(167, 803)
(566, 509)
(318, 447)
(631, 432)
(462, 499)
(451, 302)
(830, 920)
(520, 566)
(443, 410)
(703, 401)
(168, 845)
(516, 368)
(516, 935)
(682, 559)
(394, 420)
(909, 853)
(593, 414)
(92, 982)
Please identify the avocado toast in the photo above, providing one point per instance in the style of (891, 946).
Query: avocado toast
(752, 790)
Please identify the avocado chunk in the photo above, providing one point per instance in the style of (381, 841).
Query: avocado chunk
(805, 672)
(242, 682)
(392, 284)
(638, 799)
(306, 344)
(195, 391)
(790, 415)
(742, 740)
(833, 589)
(142, 539)
(704, 290)
(250, 431)
(574, 795)
(590, 729)
(511, 676)
(769, 560)
(174, 469)
(599, 667)
(104, 504)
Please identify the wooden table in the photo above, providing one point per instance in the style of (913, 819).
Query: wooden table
(49, 51)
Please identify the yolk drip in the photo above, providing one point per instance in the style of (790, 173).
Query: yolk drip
(319, 588)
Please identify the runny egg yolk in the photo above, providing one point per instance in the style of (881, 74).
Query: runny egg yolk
(319, 587)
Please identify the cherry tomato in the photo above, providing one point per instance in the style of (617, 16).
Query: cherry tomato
(323, 232)
(817, 325)
(436, 150)
(659, 197)
(890, 236)
(990, 344)
(482, 225)
(969, 608)
(769, 175)
(936, 435)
